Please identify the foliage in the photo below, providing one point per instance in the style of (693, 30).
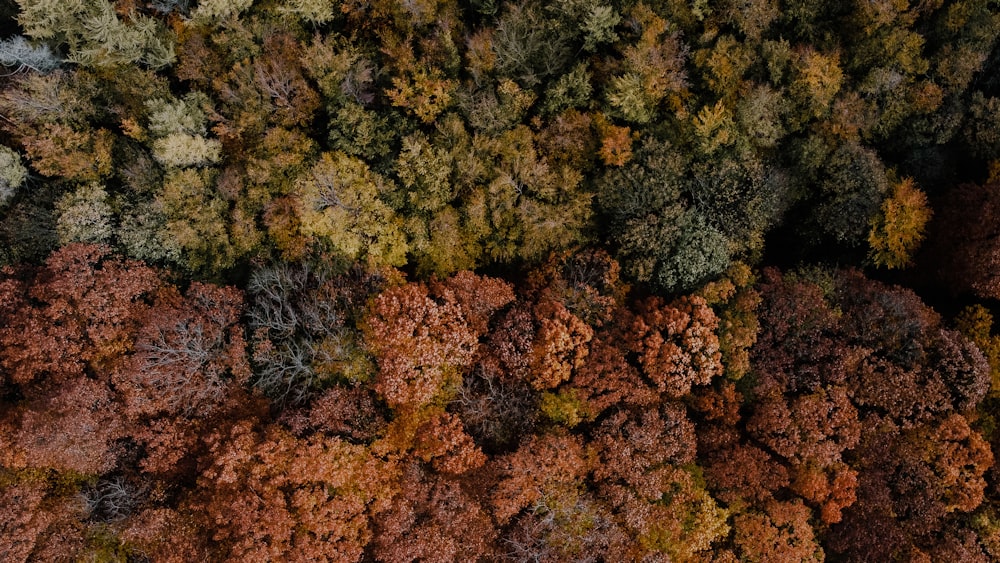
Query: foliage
(340, 203)
(12, 174)
(95, 35)
(626, 323)
(899, 228)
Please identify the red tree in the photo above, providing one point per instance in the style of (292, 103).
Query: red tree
(421, 344)
(189, 354)
(35, 526)
(433, 519)
(72, 428)
(676, 344)
(81, 310)
(780, 531)
(265, 495)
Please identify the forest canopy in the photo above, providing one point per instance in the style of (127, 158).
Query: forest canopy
(489, 280)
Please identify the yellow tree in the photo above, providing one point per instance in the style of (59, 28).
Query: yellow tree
(898, 229)
(339, 204)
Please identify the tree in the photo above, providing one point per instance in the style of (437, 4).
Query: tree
(964, 241)
(724, 66)
(84, 216)
(519, 206)
(215, 10)
(976, 323)
(816, 79)
(811, 434)
(22, 56)
(60, 151)
(302, 320)
(496, 410)
(12, 174)
(165, 534)
(935, 369)
(93, 33)
(911, 485)
(676, 344)
(832, 488)
(339, 202)
(201, 222)
(178, 150)
(644, 472)
(189, 354)
(84, 311)
(794, 312)
(743, 473)
(527, 45)
(898, 230)
(652, 67)
(543, 465)
(559, 345)
(815, 428)
(265, 495)
(567, 525)
(852, 187)
(735, 301)
(432, 520)
(37, 525)
(72, 428)
(480, 297)
(779, 532)
(420, 344)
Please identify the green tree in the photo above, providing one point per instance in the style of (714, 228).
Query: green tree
(528, 45)
(198, 220)
(652, 67)
(660, 238)
(851, 185)
(816, 78)
(177, 128)
(93, 33)
(522, 207)
(210, 11)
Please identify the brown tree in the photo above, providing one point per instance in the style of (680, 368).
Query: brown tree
(443, 442)
(676, 344)
(559, 346)
(780, 531)
(912, 486)
(543, 465)
(607, 378)
(421, 345)
(80, 311)
(479, 297)
(189, 353)
(36, 526)
(818, 426)
(642, 470)
(74, 427)
(265, 495)
(433, 519)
